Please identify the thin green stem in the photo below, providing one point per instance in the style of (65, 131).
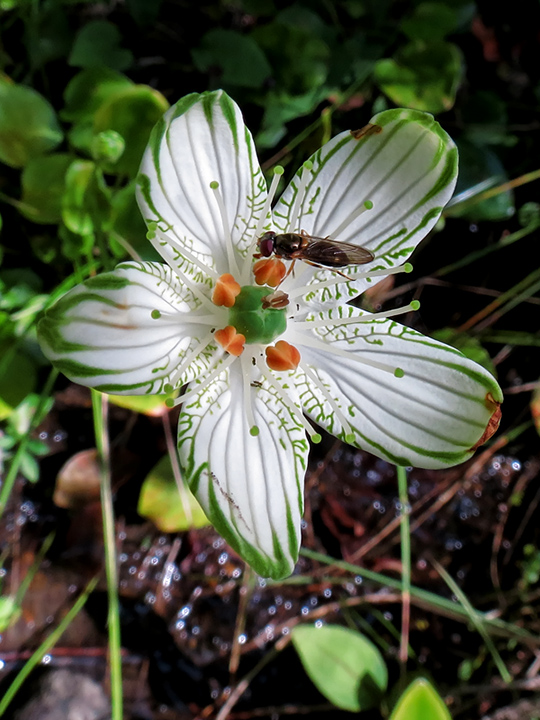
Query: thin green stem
(99, 406)
(49, 642)
(405, 531)
(422, 598)
(475, 619)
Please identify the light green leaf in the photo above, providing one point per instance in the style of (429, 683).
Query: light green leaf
(43, 184)
(88, 90)
(344, 665)
(420, 701)
(85, 205)
(151, 405)
(423, 76)
(28, 124)
(161, 502)
(131, 113)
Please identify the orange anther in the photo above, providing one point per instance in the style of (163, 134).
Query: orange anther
(282, 356)
(269, 271)
(230, 340)
(225, 291)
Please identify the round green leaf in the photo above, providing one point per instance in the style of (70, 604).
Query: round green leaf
(430, 21)
(88, 90)
(43, 184)
(28, 125)
(420, 701)
(423, 76)
(241, 60)
(97, 44)
(162, 503)
(344, 666)
(132, 114)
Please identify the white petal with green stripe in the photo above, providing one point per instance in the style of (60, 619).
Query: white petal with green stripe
(404, 170)
(202, 140)
(126, 331)
(250, 487)
(431, 417)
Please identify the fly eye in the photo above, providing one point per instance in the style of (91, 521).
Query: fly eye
(266, 247)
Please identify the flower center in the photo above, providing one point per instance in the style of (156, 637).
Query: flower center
(258, 324)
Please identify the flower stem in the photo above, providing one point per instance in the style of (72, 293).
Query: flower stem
(405, 563)
(99, 406)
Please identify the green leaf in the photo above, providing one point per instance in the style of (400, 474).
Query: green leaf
(344, 666)
(88, 90)
(10, 612)
(162, 503)
(132, 113)
(97, 44)
(430, 21)
(151, 405)
(479, 170)
(128, 223)
(43, 184)
(85, 204)
(17, 378)
(28, 125)
(422, 76)
(298, 58)
(144, 12)
(240, 60)
(420, 701)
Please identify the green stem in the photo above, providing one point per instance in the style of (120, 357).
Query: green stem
(422, 598)
(99, 406)
(405, 563)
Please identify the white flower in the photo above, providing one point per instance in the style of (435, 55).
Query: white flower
(255, 361)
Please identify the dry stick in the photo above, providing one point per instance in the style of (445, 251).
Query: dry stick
(245, 595)
(521, 483)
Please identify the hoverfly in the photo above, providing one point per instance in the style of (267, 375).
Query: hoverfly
(321, 252)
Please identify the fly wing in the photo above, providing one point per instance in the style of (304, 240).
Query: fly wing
(332, 253)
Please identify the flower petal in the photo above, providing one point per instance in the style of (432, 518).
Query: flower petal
(431, 417)
(200, 140)
(251, 488)
(103, 333)
(405, 164)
